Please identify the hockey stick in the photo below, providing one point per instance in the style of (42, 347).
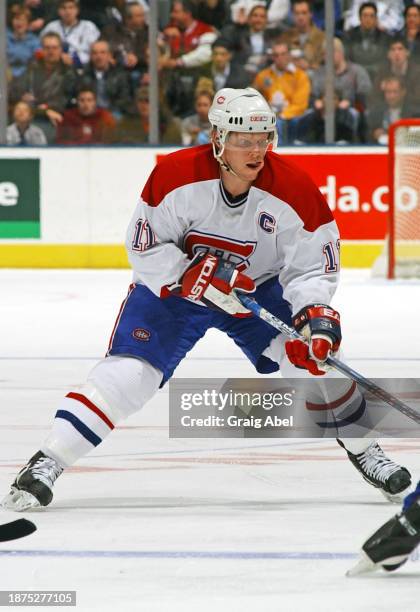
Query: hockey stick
(16, 529)
(367, 384)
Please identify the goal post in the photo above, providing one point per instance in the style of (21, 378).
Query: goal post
(404, 199)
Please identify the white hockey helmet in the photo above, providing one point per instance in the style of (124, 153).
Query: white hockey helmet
(240, 110)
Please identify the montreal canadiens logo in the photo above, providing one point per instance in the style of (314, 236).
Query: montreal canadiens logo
(236, 252)
(220, 99)
(141, 334)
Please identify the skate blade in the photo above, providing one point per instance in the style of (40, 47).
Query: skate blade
(395, 498)
(19, 501)
(365, 565)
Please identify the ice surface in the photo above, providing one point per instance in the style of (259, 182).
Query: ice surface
(151, 524)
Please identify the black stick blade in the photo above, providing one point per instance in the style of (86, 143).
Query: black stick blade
(16, 529)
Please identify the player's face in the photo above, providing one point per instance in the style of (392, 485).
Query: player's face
(245, 153)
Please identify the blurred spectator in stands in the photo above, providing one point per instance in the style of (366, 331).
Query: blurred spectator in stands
(102, 12)
(298, 59)
(110, 82)
(390, 14)
(128, 40)
(318, 14)
(21, 43)
(77, 35)
(287, 90)
(394, 107)
(367, 44)
(311, 127)
(188, 48)
(42, 11)
(304, 35)
(195, 129)
(352, 81)
(277, 11)
(145, 4)
(411, 30)
(145, 76)
(22, 132)
(135, 129)
(212, 12)
(171, 88)
(251, 42)
(204, 84)
(47, 84)
(189, 40)
(221, 70)
(86, 123)
(401, 65)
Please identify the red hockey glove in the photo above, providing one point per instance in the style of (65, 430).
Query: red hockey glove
(214, 281)
(320, 325)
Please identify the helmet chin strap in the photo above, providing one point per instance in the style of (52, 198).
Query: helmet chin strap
(226, 167)
(218, 155)
(229, 169)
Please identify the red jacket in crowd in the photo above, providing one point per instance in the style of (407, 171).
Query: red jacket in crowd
(92, 129)
(189, 39)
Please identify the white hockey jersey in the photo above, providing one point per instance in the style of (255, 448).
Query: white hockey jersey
(78, 38)
(283, 227)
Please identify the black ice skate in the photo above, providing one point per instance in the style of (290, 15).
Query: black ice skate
(391, 545)
(377, 469)
(33, 485)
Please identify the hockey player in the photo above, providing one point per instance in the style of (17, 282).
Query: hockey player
(211, 221)
(392, 544)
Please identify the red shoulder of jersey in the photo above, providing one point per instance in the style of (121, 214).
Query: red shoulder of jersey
(183, 167)
(287, 182)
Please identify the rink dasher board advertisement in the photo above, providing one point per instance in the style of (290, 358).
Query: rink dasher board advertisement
(19, 198)
(81, 200)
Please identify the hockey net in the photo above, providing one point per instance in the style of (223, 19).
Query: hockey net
(401, 258)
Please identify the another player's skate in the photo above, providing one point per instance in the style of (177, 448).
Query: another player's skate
(33, 485)
(376, 468)
(391, 545)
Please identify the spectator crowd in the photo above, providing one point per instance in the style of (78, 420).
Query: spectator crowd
(78, 70)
